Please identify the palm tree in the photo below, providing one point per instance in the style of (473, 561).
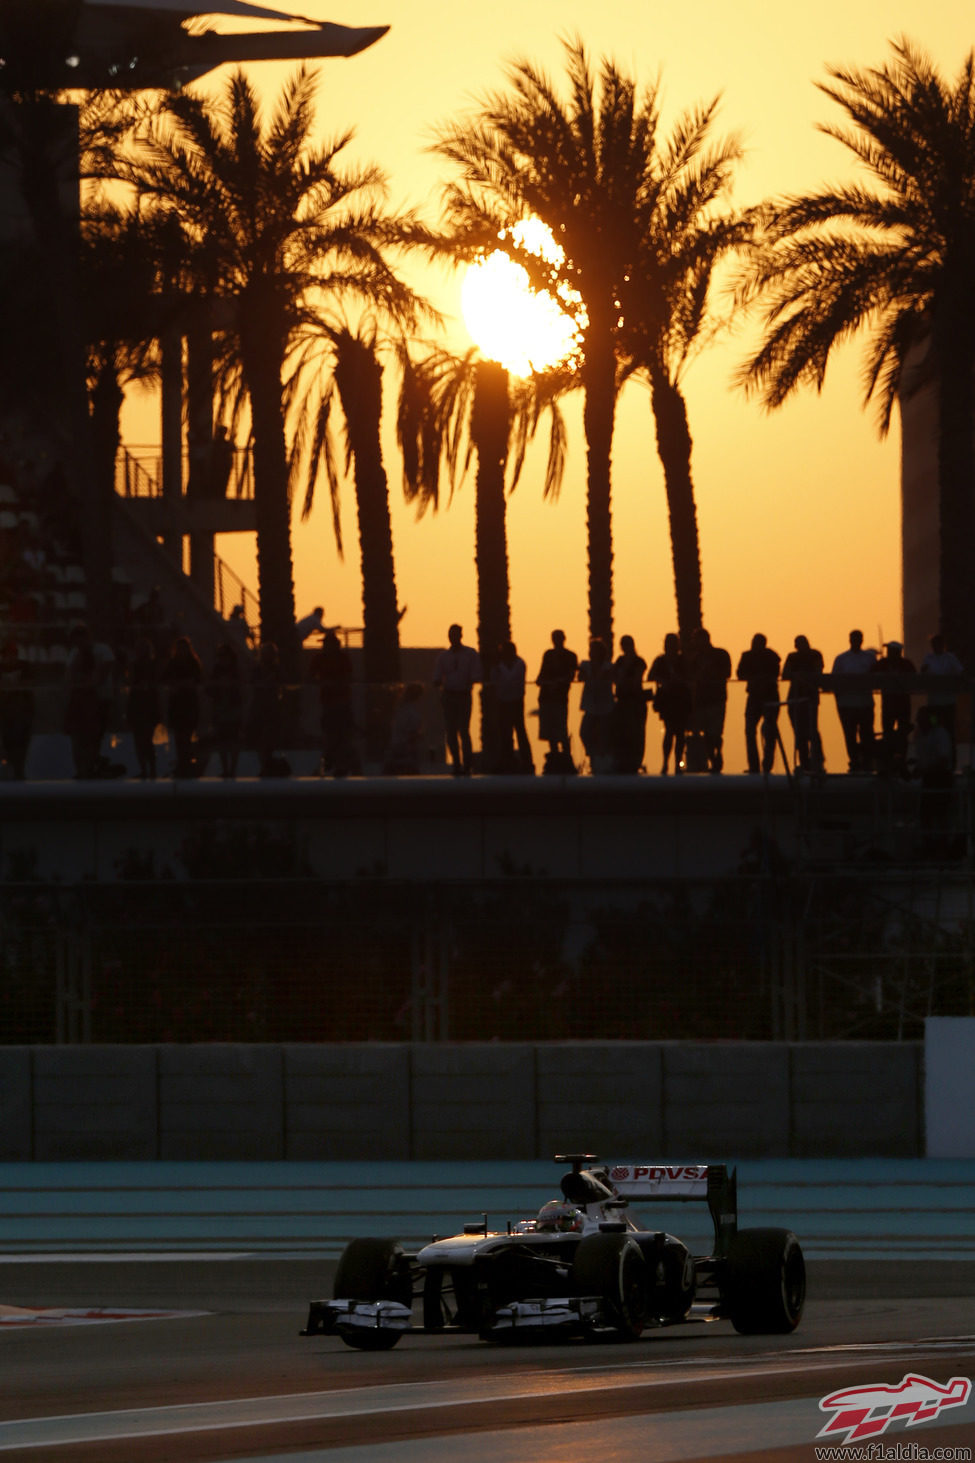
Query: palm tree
(122, 322)
(270, 225)
(593, 171)
(678, 239)
(895, 258)
(345, 362)
(453, 409)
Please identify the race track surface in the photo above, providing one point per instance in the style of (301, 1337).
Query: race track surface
(226, 1376)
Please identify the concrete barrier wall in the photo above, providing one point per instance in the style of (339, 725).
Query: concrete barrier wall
(419, 830)
(93, 1102)
(949, 1077)
(482, 1101)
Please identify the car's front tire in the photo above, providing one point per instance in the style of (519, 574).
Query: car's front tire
(612, 1266)
(764, 1287)
(372, 1270)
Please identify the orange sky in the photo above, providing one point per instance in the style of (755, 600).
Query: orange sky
(799, 511)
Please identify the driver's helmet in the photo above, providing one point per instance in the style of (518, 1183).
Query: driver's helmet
(557, 1214)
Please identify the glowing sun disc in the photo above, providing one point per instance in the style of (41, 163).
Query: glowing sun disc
(524, 329)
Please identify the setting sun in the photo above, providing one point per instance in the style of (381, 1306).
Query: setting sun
(523, 328)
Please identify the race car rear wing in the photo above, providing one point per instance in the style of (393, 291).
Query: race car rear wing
(680, 1182)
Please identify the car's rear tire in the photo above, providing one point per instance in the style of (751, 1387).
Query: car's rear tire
(371, 1270)
(764, 1288)
(612, 1266)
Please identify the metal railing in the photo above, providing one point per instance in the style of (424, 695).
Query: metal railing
(139, 472)
(229, 592)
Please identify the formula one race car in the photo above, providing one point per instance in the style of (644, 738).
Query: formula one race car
(581, 1267)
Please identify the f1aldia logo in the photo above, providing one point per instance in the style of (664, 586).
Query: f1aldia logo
(866, 1412)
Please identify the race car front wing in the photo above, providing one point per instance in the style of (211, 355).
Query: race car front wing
(332, 1317)
(574, 1314)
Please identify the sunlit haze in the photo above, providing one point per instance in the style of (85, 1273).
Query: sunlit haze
(799, 510)
(522, 328)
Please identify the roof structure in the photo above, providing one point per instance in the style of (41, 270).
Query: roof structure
(147, 44)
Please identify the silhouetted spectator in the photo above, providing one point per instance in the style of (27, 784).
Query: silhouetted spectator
(708, 671)
(265, 711)
(557, 672)
(630, 715)
(309, 625)
(934, 749)
(456, 671)
(150, 619)
(598, 706)
(403, 753)
(671, 700)
(940, 661)
(143, 710)
(83, 720)
(182, 675)
(210, 466)
(758, 667)
(803, 668)
(239, 633)
(895, 708)
(508, 680)
(226, 690)
(854, 706)
(332, 669)
(108, 667)
(16, 709)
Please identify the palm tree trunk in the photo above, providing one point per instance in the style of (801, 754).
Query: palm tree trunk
(599, 413)
(674, 450)
(956, 488)
(105, 434)
(490, 421)
(359, 376)
(272, 509)
(489, 431)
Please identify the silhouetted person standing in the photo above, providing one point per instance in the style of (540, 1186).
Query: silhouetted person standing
(265, 711)
(182, 675)
(508, 680)
(758, 667)
(708, 671)
(404, 751)
(630, 720)
(802, 669)
(227, 707)
(557, 672)
(332, 669)
(83, 717)
(456, 672)
(143, 710)
(895, 708)
(672, 699)
(596, 730)
(940, 661)
(855, 706)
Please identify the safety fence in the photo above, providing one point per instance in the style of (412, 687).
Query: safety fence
(248, 948)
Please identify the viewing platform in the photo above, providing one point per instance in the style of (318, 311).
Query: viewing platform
(449, 830)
